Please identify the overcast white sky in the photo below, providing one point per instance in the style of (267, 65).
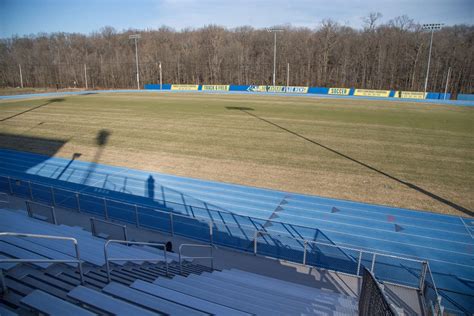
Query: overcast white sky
(24, 17)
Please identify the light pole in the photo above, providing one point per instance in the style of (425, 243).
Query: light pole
(136, 37)
(274, 50)
(431, 27)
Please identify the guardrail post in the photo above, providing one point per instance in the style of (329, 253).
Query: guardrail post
(31, 191)
(212, 259)
(359, 261)
(180, 264)
(10, 185)
(55, 221)
(107, 265)
(304, 252)
(79, 263)
(171, 224)
(255, 243)
(53, 199)
(137, 221)
(94, 233)
(78, 203)
(211, 239)
(106, 212)
(373, 263)
(423, 277)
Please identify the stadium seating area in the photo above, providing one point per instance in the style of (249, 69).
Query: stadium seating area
(138, 287)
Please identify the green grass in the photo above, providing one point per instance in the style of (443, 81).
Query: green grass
(429, 146)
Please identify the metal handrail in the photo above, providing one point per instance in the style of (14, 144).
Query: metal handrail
(94, 231)
(113, 241)
(76, 248)
(438, 297)
(197, 246)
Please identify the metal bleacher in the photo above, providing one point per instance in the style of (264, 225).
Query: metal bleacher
(41, 276)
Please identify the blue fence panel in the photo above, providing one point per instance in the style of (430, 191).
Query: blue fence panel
(239, 237)
(122, 212)
(92, 204)
(166, 86)
(468, 97)
(318, 90)
(20, 188)
(238, 88)
(66, 199)
(41, 193)
(192, 228)
(154, 219)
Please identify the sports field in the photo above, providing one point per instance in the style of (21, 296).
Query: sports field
(410, 155)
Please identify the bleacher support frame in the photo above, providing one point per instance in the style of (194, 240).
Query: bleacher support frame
(94, 230)
(76, 248)
(29, 210)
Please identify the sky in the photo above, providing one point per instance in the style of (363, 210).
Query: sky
(25, 17)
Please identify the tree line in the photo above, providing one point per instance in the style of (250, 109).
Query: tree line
(392, 55)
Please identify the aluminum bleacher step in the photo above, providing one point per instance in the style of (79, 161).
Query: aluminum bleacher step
(5, 311)
(20, 253)
(27, 244)
(106, 303)
(284, 286)
(149, 301)
(185, 299)
(213, 296)
(279, 303)
(7, 265)
(318, 299)
(51, 305)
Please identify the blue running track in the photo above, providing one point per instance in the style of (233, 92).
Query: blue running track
(445, 241)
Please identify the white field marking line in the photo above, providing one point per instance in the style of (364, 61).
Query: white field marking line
(202, 185)
(291, 216)
(465, 226)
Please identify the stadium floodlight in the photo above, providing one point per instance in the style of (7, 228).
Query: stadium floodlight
(430, 27)
(136, 37)
(274, 30)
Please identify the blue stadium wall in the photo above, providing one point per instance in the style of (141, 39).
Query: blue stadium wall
(303, 90)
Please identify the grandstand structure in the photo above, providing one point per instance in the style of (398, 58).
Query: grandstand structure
(51, 264)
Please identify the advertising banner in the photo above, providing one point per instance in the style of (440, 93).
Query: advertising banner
(278, 89)
(215, 87)
(372, 93)
(339, 91)
(193, 87)
(410, 95)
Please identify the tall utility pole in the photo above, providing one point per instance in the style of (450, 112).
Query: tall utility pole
(136, 37)
(161, 78)
(447, 83)
(274, 50)
(85, 74)
(287, 74)
(21, 76)
(431, 27)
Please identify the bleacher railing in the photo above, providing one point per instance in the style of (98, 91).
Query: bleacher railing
(180, 253)
(218, 227)
(95, 231)
(31, 260)
(123, 259)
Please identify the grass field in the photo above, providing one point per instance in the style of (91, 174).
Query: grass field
(410, 155)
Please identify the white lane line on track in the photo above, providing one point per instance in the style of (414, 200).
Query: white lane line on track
(134, 172)
(467, 227)
(304, 217)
